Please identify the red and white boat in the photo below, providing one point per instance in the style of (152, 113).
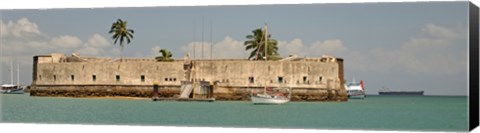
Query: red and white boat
(355, 90)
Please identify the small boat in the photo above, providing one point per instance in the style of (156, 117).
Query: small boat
(11, 89)
(355, 90)
(271, 98)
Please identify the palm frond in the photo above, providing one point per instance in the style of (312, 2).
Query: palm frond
(256, 41)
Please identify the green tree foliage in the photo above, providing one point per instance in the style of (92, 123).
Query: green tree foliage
(120, 33)
(256, 43)
(166, 55)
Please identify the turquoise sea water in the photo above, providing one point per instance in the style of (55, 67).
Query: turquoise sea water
(427, 113)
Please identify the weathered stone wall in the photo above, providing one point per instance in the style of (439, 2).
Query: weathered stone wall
(105, 73)
(311, 79)
(297, 74)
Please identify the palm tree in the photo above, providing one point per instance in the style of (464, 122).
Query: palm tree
(257, 43)
(166, 55)
(120, 33)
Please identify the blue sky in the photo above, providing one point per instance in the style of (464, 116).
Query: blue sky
(403, 46)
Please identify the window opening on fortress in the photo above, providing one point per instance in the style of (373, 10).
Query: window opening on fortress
(40, 77)
(251, 80)
(94, 78)
(142, 78)
(174, 79)
(305, 81)
(166, 79)
(280, 80)
(117, 77)
(320, 79)
(54, 77)
(72, 77)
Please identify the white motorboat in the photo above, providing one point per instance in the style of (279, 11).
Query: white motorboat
(355, 90)
(11, 89)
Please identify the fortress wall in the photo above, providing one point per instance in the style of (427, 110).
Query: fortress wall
(130, 73)
(53, 77)
(271, 73)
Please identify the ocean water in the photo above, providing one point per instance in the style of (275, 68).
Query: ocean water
(408, 113)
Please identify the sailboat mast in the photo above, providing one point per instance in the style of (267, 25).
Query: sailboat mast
(11, 71)
(18, 74)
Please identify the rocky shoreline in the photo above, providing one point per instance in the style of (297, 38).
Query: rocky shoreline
(232, 95)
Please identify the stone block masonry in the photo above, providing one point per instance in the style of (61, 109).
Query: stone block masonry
(312, 79)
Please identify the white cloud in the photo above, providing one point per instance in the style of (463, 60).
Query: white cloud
(22, 39)
(231, 48)
(429, 52)
(433, 30)
(98, 41)
(97, 45)
(22, 27)
(330, 47)
(293, 47)
(227, 48)
(354, 60)
(114, 52)
(3, 29)
(89, 51)
(65, 41)
(154, 51)
(333, 47)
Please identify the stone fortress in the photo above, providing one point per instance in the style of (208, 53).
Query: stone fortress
(311, 79)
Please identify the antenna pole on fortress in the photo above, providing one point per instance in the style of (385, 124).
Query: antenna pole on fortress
(266, 40)
(193, 39)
